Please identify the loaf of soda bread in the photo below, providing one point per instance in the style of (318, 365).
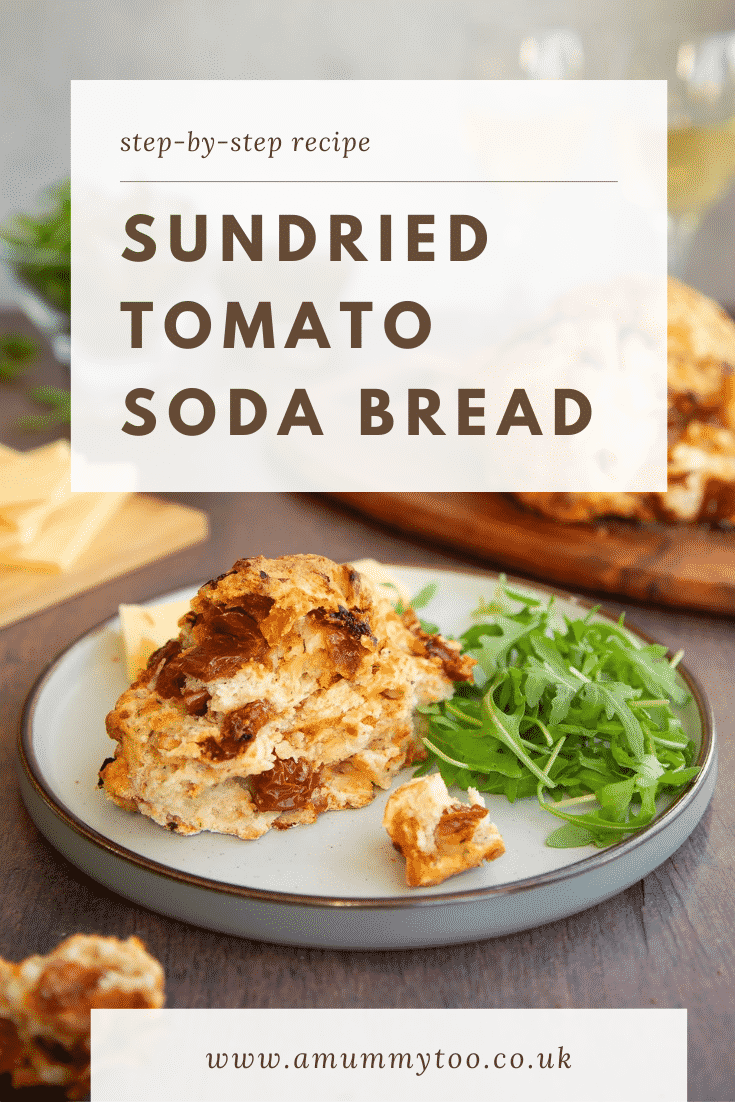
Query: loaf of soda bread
(290, 691)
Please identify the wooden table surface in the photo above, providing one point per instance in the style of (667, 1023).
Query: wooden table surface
(665, 942)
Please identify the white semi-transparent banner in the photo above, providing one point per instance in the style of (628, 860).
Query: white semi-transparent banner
(369, 285)
(393, 1055)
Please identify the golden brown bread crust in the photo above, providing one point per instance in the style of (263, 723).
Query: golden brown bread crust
(290, 691)
(581, 508)
(701, 424)
(45, 1005)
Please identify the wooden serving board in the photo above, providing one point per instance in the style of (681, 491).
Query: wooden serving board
(144, 530)
(678, 566)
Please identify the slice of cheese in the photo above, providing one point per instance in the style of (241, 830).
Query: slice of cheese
(6, 454)
(33, 476)
(143, 630)
(65, 534)
(26, 519)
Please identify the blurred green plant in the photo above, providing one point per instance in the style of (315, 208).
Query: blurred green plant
(39, 248)
(59, 413)
(16, 353)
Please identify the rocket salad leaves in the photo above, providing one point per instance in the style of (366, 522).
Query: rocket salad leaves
(580, 718)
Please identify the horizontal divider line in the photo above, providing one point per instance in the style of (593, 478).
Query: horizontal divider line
(368, 181)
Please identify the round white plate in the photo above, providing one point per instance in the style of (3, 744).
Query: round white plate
(339, 882)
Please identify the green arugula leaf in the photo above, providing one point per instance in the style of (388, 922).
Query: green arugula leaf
(569, 836)
(614, 799)
(614, 696)
(654, 671)
(424, 596)
(554, 675)
(428, 627)
(649, 770)
(506, 728)
(494, 649)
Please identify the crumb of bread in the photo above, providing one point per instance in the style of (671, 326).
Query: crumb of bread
(438, 835)
(291, 690)
(45, 1005)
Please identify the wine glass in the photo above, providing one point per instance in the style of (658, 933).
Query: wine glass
(692, 47)
(701, 137)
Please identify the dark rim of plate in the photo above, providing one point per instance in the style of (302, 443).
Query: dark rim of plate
(705, 760)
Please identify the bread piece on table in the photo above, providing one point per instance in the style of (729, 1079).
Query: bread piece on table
(581, 508)
(45, 1005)
(438, 835)
(290, 690)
